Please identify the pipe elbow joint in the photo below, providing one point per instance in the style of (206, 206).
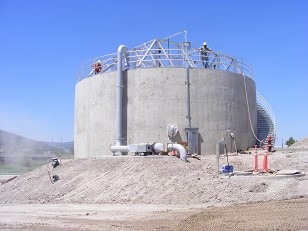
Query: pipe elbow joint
(181, 149)
(121, 49)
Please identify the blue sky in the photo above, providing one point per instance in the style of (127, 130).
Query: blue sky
(43, 44)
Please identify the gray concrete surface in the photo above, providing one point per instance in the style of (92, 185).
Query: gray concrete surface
(156, 97)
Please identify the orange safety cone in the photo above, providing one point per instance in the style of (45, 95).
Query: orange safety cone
(256, 160)
(265, 167)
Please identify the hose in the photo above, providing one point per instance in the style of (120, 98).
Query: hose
(247, 103)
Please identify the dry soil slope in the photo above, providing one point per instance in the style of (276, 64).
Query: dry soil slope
(303, 143)
(149, 180)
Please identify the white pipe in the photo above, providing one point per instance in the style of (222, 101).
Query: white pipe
(181, 149)
(160, 147)
(188, 99)
(119, 149)
(119, 112)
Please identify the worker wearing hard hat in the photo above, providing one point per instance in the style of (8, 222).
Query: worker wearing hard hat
(204, 54)
(96, 68)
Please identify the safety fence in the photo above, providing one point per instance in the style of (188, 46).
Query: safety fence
(167, 53)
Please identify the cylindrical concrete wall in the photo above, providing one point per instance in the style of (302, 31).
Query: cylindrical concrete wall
(156, 97)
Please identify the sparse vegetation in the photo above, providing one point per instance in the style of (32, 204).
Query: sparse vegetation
(20, 167)
(290, 141)
(25, 164)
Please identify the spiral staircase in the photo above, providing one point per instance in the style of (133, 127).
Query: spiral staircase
(266, 120)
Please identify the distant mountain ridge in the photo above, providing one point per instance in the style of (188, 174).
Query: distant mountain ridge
(12, 143)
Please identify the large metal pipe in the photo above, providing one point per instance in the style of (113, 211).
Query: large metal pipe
(119, 115)
(160, 147)
(119, 112)
(181, 149)
(188, 99)
(116, 148)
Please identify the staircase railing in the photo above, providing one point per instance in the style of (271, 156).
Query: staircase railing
(268, 109)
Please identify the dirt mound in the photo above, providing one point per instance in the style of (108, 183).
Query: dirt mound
(157, 193)
(303, 143)
(155, 180)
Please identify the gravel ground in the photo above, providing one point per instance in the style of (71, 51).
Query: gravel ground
(158, 193)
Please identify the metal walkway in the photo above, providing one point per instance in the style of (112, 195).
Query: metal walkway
(172, 51)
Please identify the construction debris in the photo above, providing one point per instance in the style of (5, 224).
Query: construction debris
(289, 172)
(8, 180)
(56, 162)
(55, 178)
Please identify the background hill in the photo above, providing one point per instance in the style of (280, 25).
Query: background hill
(12, 143)
(19, 154)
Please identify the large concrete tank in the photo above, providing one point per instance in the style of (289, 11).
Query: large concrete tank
(155, 97)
